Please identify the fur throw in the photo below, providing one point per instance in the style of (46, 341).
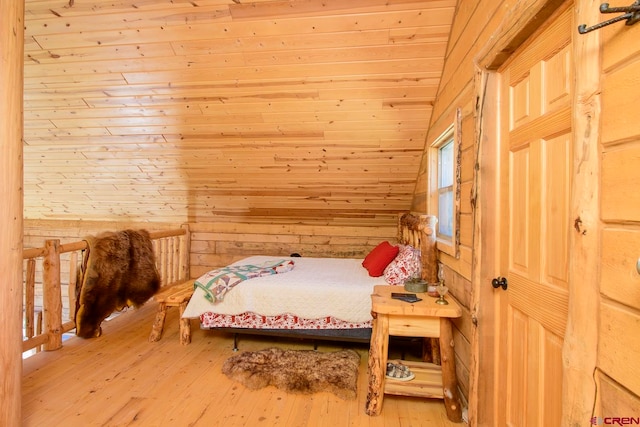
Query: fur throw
(118, 270)
(297, 371)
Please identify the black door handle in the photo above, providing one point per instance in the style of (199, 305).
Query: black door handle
(499, 282)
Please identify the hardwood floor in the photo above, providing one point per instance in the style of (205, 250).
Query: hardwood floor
(121, 379)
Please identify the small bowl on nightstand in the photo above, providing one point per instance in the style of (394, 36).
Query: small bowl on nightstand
(415, 285)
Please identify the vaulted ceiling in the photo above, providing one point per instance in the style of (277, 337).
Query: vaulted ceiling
(206, 110)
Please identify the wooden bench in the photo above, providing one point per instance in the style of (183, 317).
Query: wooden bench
(177, 295)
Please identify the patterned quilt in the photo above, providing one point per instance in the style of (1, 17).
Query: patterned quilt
(216, 283)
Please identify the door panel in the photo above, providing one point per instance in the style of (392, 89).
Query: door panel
(556, 72)
(556, 211)
(516, 367)
(520, 104)
(535, 228)
(552, 371)
(519, 238)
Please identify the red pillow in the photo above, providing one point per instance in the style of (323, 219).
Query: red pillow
(378, 259)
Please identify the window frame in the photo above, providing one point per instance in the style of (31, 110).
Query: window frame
(447, 244)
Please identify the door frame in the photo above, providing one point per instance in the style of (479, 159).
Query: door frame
(580, 346)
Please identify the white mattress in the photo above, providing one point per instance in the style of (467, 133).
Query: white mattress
(315, 288)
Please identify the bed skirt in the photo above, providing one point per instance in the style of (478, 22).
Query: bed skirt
(361, 335)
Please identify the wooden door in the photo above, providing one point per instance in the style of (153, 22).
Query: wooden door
(535, 176)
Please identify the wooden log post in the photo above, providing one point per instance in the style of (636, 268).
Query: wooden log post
(11, 209)
(185, 245)
(580, 348)
(52, 295)
(429, 259)
(377, 364)
(428, 249)
(449, 381)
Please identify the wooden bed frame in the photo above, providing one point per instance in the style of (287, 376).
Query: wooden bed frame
(415, 230)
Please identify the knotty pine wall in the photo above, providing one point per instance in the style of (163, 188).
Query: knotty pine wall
(618, 373)
(220, 110)
(277, 126)
(222, 243)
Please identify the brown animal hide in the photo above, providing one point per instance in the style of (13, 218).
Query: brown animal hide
(297, 371)
(118, 271)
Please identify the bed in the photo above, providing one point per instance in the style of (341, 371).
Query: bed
(314, 298)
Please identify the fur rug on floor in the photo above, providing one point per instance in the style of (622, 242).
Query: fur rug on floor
(297, 371)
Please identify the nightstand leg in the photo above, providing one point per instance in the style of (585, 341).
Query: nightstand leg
(449, 380)
(378, 353)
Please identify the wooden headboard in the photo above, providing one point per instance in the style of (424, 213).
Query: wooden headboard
(419, 231)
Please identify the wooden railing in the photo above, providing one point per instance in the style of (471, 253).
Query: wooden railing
(48, 314)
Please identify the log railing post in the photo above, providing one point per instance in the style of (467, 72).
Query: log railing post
(73, 283)
(162, 258)
(29, 298)
(52, 295)
(185, 256)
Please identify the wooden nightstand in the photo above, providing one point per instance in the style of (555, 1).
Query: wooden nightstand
(421, 319)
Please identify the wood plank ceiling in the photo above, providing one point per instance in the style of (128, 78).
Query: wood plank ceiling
(209, 110)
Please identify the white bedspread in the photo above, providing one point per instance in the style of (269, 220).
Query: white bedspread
(315, 288)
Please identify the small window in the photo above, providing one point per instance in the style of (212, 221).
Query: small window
(446, 199)
(443, 187)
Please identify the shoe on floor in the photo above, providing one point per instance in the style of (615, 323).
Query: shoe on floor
(396, 371)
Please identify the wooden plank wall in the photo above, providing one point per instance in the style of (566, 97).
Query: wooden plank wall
(218, 244)
(220, 110)
(618, 373)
